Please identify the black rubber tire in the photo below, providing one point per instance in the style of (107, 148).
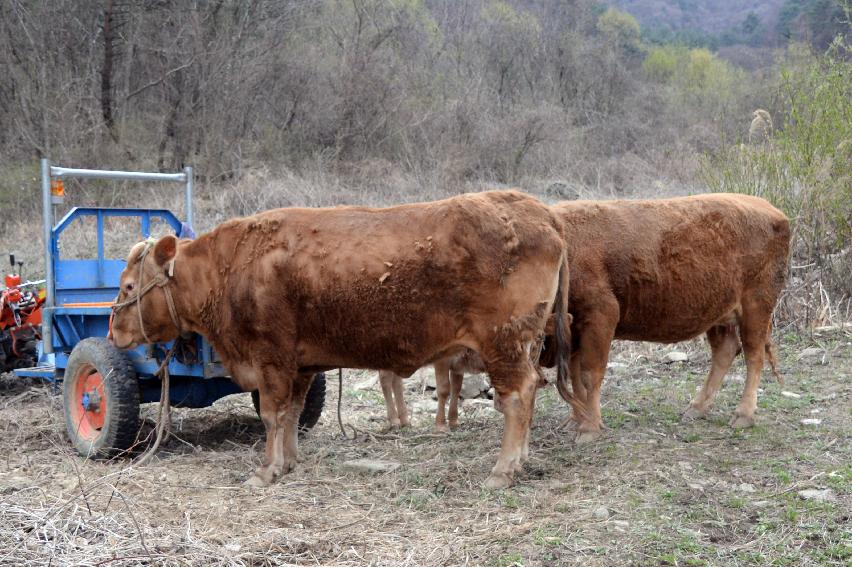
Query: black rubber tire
(314, 402)
(121, 397)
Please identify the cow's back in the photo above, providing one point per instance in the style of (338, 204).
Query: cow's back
(673, 265)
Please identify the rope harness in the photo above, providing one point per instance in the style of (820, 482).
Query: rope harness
(160, 280)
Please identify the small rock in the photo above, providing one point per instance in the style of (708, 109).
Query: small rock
(746, 487)
(811, 352)
(787, 394)
(685, 465)
(675, 356)
(473, 386)
(621, 525)
(233, 546)
(811, 421)
(601, 513)
(370, 466)
(824, 495)
(815, 410)
(490, 393)
(696, 486)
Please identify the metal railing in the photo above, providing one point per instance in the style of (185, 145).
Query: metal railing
(48, 173)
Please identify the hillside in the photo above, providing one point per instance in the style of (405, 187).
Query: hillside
(758, 23)
(710, 16)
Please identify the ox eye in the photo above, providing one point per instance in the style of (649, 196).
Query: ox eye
(128, 287)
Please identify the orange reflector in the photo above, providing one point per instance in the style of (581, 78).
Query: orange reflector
(57, 188)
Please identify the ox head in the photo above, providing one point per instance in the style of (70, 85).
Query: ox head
(142, 311)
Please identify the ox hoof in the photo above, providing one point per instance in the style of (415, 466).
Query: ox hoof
(741, 421)
(255, 481)
(441, 428)
(692, 413)
(498, 481)
(584, 437)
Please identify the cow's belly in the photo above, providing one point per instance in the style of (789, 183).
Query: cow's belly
(669, 313)
(380, 344)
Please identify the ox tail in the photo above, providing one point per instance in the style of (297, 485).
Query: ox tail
(562, 335)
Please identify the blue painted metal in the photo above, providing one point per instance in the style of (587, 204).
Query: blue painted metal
(194, 383)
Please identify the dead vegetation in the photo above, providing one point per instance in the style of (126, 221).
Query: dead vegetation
(653, 491)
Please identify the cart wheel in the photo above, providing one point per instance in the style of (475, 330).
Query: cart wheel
(314, 402)
(101, 398)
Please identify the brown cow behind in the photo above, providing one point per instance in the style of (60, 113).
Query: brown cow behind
(449, 374)
(663, 271)
(666, 271)
(288, 292)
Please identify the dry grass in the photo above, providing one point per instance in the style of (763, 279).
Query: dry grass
(674, 494)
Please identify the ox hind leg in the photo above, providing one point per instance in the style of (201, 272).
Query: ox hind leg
(516, 388)
(281, 401)
(443, 386)
(456, 381)
(392, 391)
(725, 346)
(754, 333)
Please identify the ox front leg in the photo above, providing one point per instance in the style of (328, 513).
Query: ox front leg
(281, 403)
(516, 392)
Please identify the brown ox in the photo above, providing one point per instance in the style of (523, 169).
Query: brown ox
(288, 292)
(663, 271)
(666, 271)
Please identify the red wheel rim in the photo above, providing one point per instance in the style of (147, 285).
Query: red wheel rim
(88, 405)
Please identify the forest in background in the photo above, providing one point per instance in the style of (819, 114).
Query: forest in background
(317, 102)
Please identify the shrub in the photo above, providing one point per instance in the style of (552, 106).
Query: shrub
(804, 167)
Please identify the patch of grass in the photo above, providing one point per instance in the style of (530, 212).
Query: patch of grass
(547, 536)
(510, 560)
(791, 515)
(841, 480)
(511, 500)
(735, 502)
(691, 437)
(415, 500)
(783, 476)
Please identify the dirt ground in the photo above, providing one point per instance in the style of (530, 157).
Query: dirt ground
(652, 491)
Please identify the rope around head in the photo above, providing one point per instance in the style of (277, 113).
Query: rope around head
(161, 280)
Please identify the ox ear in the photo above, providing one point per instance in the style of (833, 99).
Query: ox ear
(135, 251)
(165, 250)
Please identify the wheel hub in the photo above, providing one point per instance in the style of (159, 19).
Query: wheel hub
(89, 410)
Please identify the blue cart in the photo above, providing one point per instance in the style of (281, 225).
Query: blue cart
(102, 385)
